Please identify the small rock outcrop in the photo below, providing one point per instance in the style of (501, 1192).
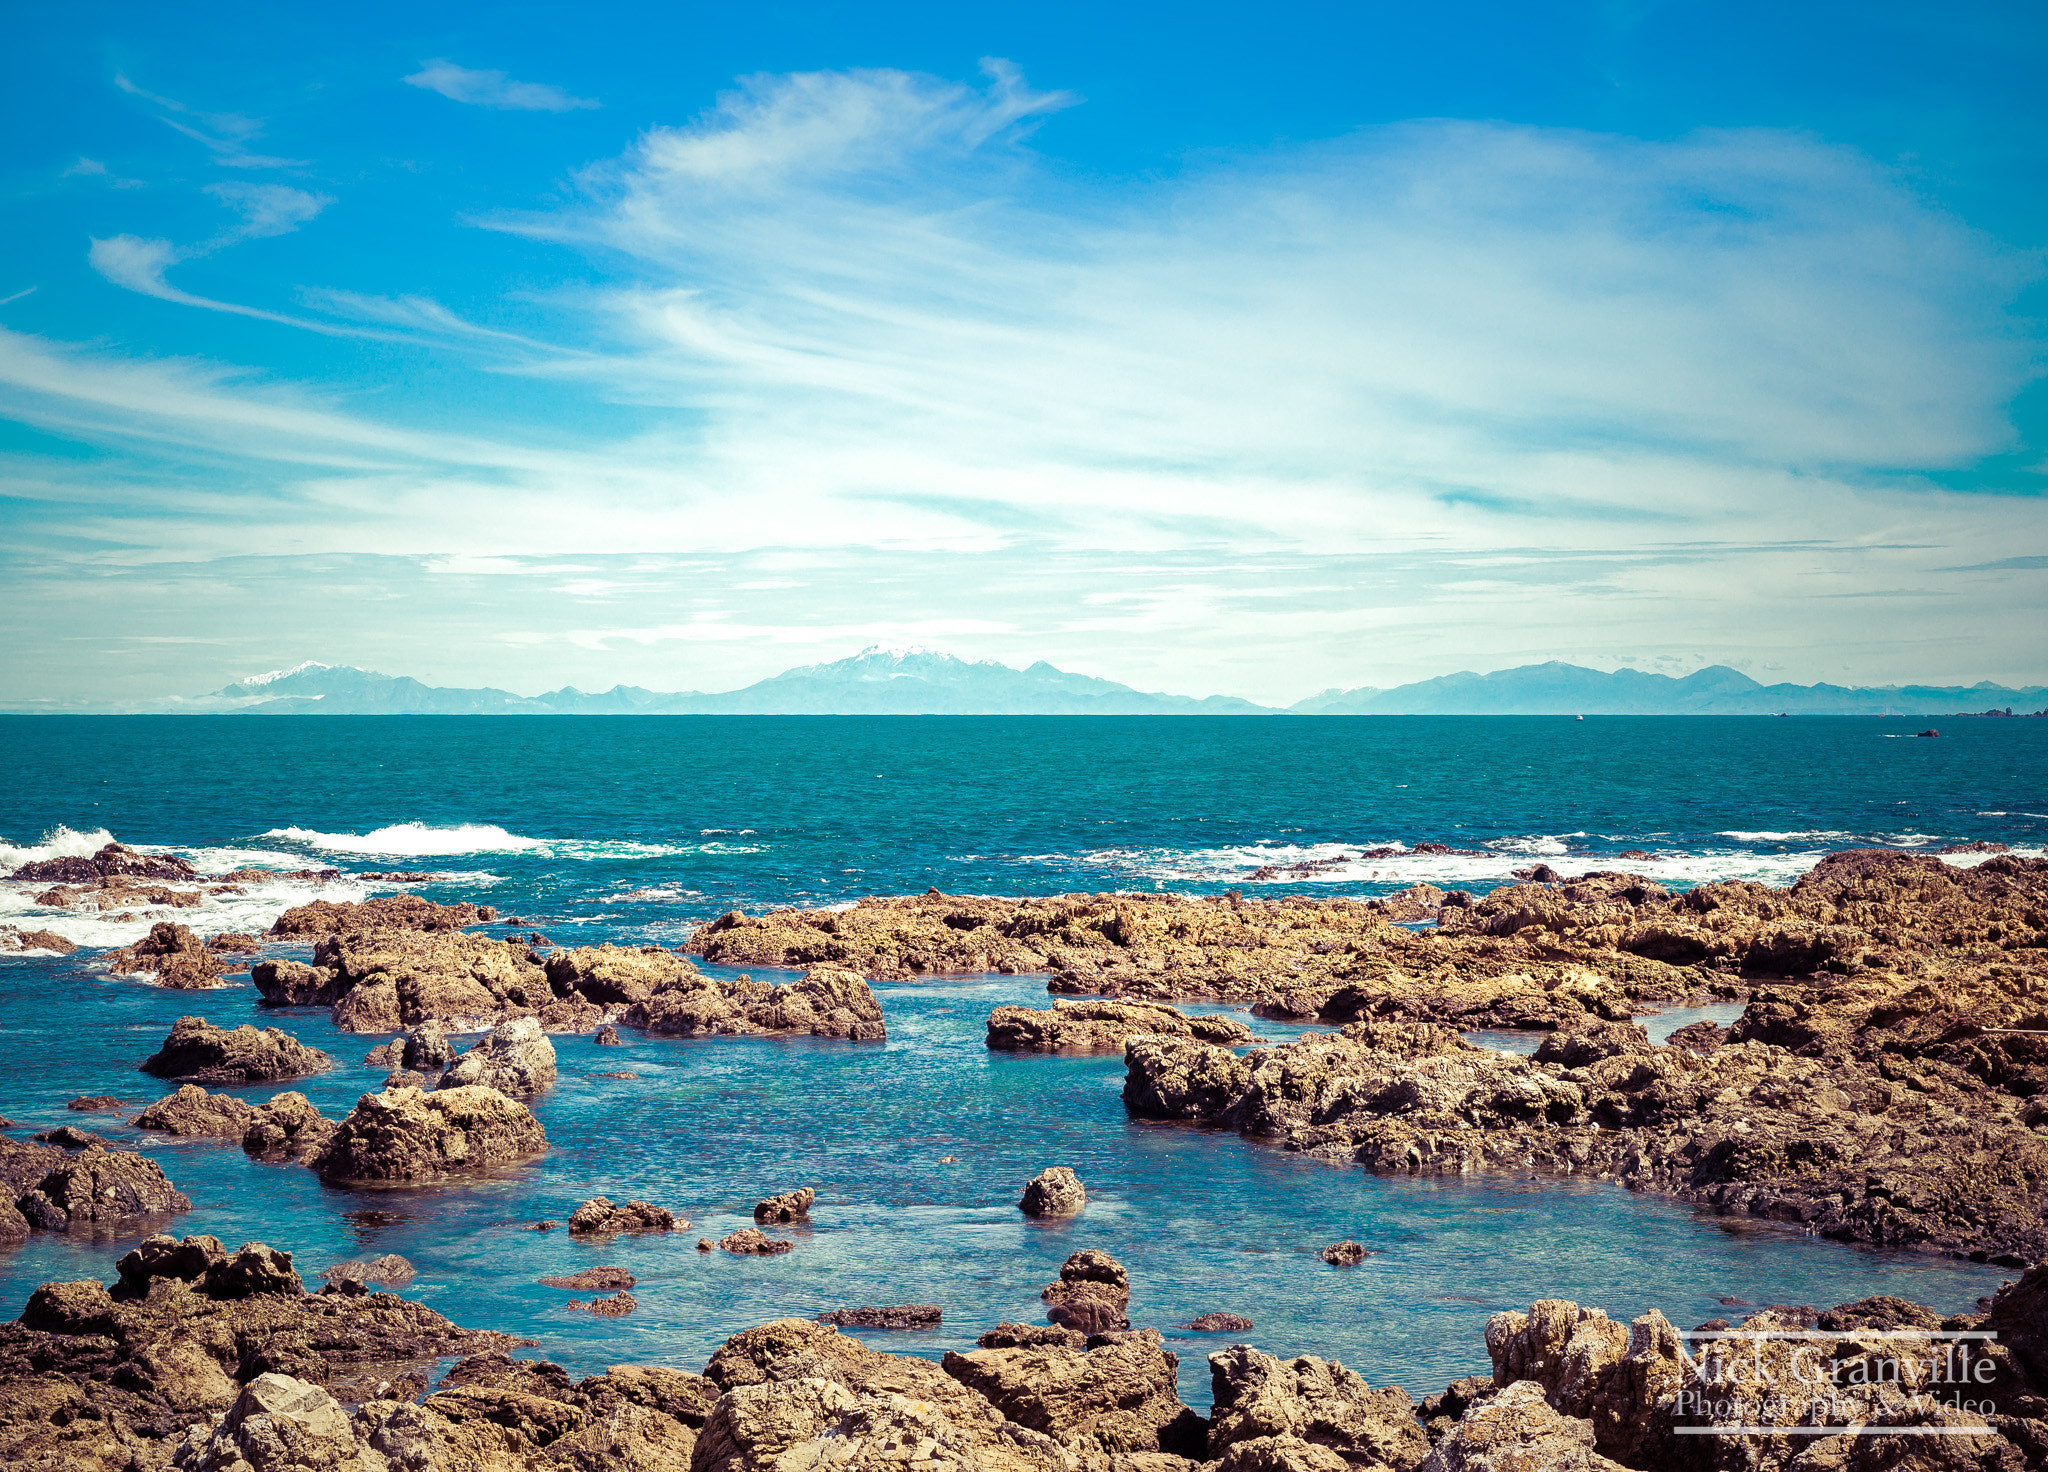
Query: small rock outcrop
(1220, 1323)
(514, 1058)
(1119, 1397)
(1515, 1429)
(95, 1188)
(753, 1242)
(193, 1111)
(1102, 1027)
(601, 1215)
(388, 1271)
(173, 956)
(1054, 1192)
(1091, 1294)
(412, 1135)
(203, 1053)
(287, 1127)
(592, 1280)
(1277, 1409)
(790, 1206)
(14, 939)
(827, 1003)
(1344, 1254)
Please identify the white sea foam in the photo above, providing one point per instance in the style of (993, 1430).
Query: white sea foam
(414, 840)
(250, 909)
(58, 843)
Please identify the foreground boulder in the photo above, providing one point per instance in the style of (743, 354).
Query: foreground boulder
(1091, 1294)
(827, 1003)
(1102, 1026)
(1516, 1429)
(1120, 1397)
(1269, 1409)
(390, 979)
(203, 1053)
(96, 1188)
(411, 1135)
(514, 1058)
(193, 1111)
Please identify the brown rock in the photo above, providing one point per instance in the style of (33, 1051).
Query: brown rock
(593, 1280)
(410, 1135)
(1102, 1026)
(1315, 1401)
(827, 1003)
(752, 1241)
(1054, 1192)
(1344, 1254)
(600, 1215)
(386, 912)
(193, 1111)
(203, 1053)
(790, 1206)
(1121, 1396)
(900, 1316)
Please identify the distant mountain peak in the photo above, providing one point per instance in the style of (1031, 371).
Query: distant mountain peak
(252, 682)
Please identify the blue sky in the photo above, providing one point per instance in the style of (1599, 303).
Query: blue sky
(1241, 349)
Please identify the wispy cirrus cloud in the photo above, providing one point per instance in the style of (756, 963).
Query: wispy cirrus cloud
(139, 264)
(495, 89)
(224, 134)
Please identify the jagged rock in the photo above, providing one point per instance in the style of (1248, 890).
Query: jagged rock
(96, 1103)
(193, 1111)
(1091, 1294)
(1316, 1401)
(1220, 1323)
(1516, 1430)
(203, 1053)
(1054, 1192)
(277, 1422)
(98, 1187)
(593, 1279)
(790, 1206)
(388, 1271)
(1593, 1040)
(173, 956)
(411, 1135)
(70, 1137)
(234, 943)
(1031, 1336)
(14, 940)
(899, 1316)
(1120, 1395)
(113, 860)
(752, 1241)
(391, 980)
(514, 1058)
(618, 974)
(608, 1037)
(827, 1003)
(614, 1306)
(165, 1256)
(284, 983)
(1697, 1037)
(599, 1214)
(1102, 1026)
(386, 912)
(426, 1048)
(253, 1269)
(408, 1078)
(1344, 1254)
(287, 1127)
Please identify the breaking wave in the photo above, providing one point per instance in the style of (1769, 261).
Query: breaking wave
(414, 840)
(58, 843)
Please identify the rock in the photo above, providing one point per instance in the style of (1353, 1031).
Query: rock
(69, 1137)
(386, 912)
(193, 1111)
(408, 1078)
(388, 1271)
(1220, 1323)
(95, 1103)
(514, 1058)
(1031, 1336)
(277, 1422)
(1697, 1037)
(899, 1316)
(599, 1214)
(752, 1241)
(287, 1127)
(173, 956)
(1344, 1254)
(114, 860)
(1122, 1396)
(411, 1135)
(234, 943)
(621, 975)
(390, 980)
(791, 1206)
(617, 1306)
(593, 1279)
(827, 1003)
(1054, 1192)
(253, 1269)
(1102, 1026)
(426, 1048)
(203, 1053)
(1314, 1401)
(1592, 1040)
(165, 1256)
(608, 1037)
(284, 983)
(1516, 1430)
(1091, 1294)
(14, 940)
(99, 1187)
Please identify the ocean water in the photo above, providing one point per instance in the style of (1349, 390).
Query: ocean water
(635, 830)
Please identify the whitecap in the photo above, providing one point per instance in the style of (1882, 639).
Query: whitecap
(414, 840)
(58, 843)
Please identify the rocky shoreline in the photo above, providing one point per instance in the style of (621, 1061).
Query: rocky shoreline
(206, 1360)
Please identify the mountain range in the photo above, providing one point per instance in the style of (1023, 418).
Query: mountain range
(880, 681)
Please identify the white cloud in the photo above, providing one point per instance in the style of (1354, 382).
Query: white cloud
(267, 209)
(494, 89)
(86, 166)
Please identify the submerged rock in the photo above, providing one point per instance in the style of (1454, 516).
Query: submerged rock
(411, 1135)
(388, 1271)
(514, 1058)
(898, 1316)
(197, 1050)
(593, 1279)
(1054, 1192)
